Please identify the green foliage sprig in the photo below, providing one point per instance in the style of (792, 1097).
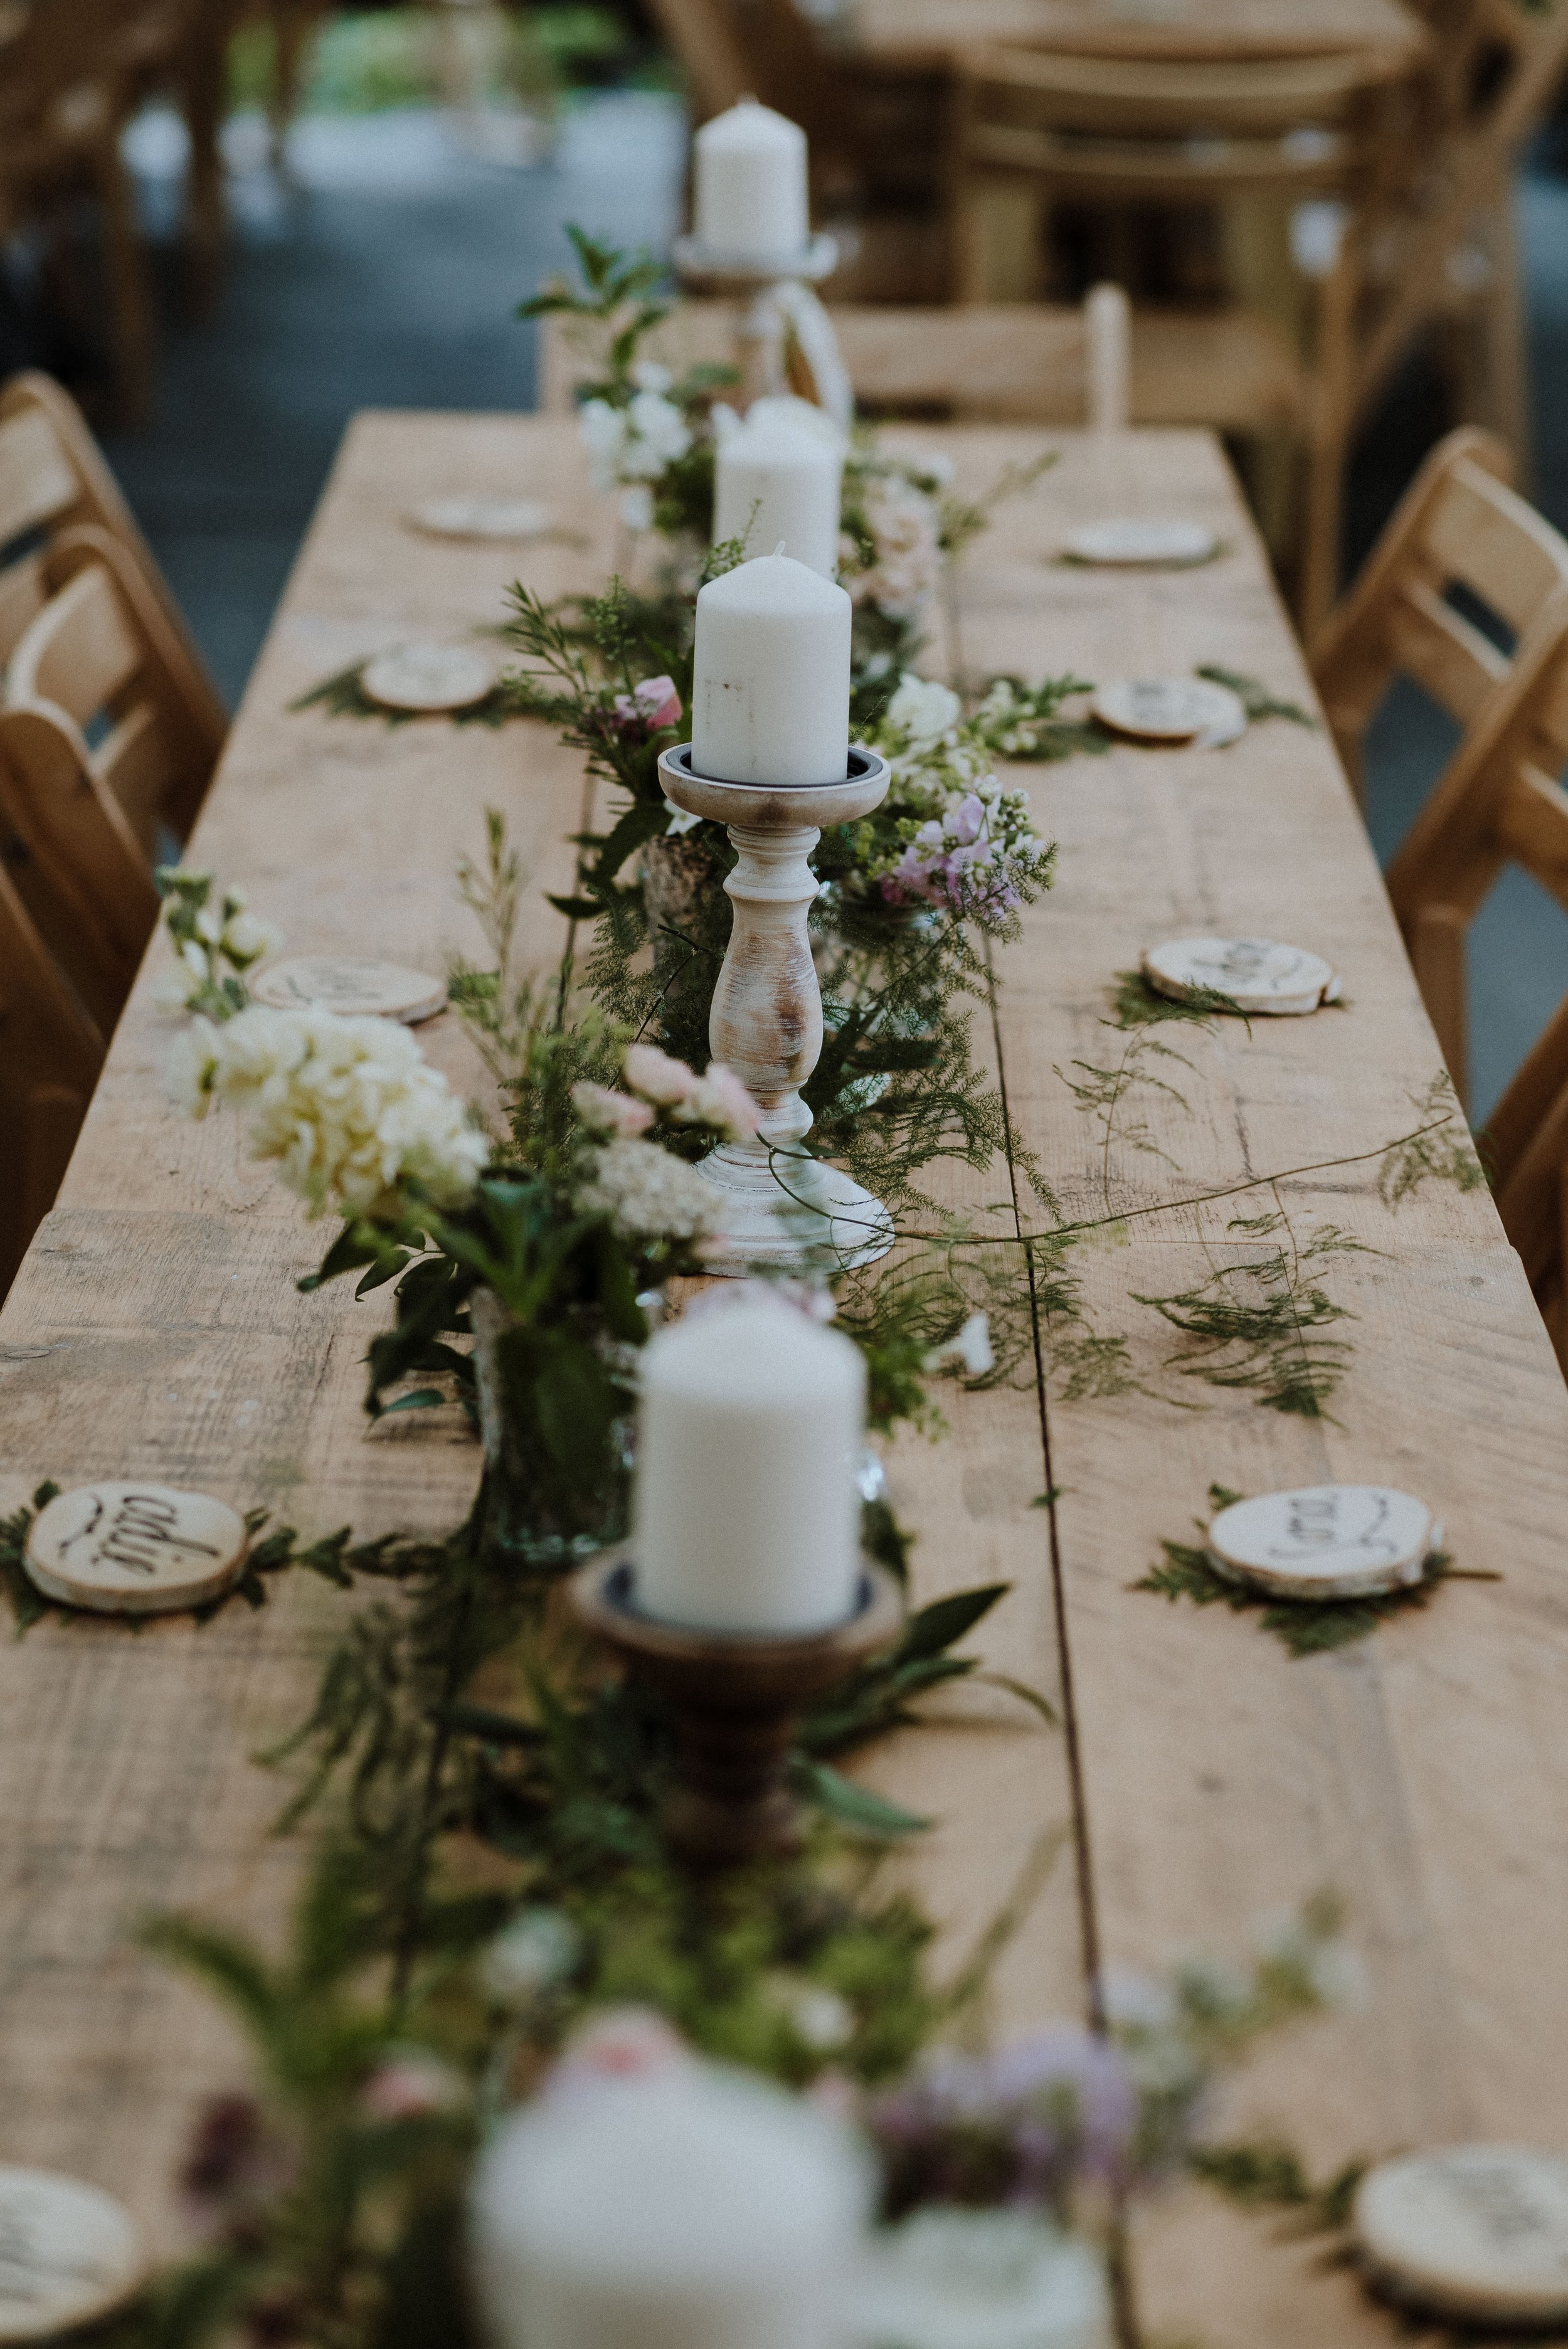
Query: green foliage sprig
(343, 695)
(1256, 697)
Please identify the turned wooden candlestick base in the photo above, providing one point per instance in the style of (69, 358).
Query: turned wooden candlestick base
(782, 1205)
(737, 1697)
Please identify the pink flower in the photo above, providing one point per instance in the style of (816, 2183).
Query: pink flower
(719, 1099)
(653, 704)
(658, 1077)
(625, 2042)
(406, 2086)
(604, 1111)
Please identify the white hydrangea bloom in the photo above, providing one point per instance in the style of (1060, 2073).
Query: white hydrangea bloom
(647, 1194)
(657, 434)
(924, 709)
(604, 433)
(349, 1108)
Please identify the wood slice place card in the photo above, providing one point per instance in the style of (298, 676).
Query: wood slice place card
(492, 518)
(351, 983)
(1131, 539)
(68, 2254)
(1171, 709)
(1477, 2232)
(135, 1550)
(428, 678)
(1326, 1541)
(1255, 975)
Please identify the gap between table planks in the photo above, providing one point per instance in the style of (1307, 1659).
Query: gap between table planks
(155, 1330)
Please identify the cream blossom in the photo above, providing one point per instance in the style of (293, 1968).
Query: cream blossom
(646, 1194)
(924, 709)
(349, 1108)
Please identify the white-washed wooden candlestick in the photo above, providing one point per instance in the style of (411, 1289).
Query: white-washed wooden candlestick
(783, 304)
(780, 1205)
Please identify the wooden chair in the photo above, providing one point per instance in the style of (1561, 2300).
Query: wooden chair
(1034, 128)
(53, 479)
(72, 73)
(1467, 594)
(103, 761)
(1459, 524)
(1059, 366)
(1526, 1149)
(50, 1054)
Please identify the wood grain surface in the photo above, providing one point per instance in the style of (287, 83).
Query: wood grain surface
(155, 1330)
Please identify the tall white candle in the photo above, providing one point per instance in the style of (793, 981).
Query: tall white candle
(746, 1508)
(751, 203)
(690, 2209)
(770, 702)
(777, 481)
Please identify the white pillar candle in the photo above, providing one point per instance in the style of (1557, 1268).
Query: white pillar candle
(777, 481)
(690, 2209)
(746, 1510)
(770, 703)
(751, 202)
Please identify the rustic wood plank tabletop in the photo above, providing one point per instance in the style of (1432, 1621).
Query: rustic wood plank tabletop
(1206, 1776)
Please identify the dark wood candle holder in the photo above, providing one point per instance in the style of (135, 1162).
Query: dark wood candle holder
(737, 1698)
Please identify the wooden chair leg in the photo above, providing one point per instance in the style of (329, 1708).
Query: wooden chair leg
(205, 82)
(1437, 944)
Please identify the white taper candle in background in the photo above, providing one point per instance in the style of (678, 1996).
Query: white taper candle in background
(746, 1510)
(770, 699)
(691, 2208)
(778, 479)
(751, 203)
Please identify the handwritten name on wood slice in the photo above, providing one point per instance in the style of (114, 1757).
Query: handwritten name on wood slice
(350, 984)
(1326, 1541)
(134, 1548)
(69, 2254)
(426, 678)
(1171, 709)
(1132, 538)
(1473, 2232)
(1254, 974)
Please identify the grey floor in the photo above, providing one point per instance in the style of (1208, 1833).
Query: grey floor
(386, 275)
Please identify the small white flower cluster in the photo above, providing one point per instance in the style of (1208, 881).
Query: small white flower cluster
(631, 445)
(646, 1194)
(205, 936)
(966, 843)
(349, 1108)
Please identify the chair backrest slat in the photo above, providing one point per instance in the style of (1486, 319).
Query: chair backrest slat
(81, 652)
(1053, 364)
(1483, 533)
(37, 482)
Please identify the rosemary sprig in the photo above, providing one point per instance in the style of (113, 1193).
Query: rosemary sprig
(1256, 697)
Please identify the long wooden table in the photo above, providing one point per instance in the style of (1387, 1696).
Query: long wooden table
(155, 1330)
(932, 36)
